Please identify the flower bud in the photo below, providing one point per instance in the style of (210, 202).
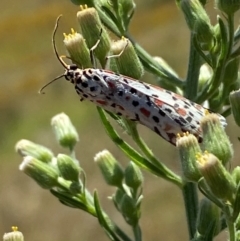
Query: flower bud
(198, 21)
(215, 139)
(69, 169)
(110, 168)
(28, 148)
(65, 132)
(126, 59)
(228, 6)
(130, 210)
(188, 148)
(15, 235)
(76, 188)
(231, 73)
(236, 175)
(133, 176)
(204, 76)
(234, 98)
(45, 175)
(208, 218)
(91, 27)
(126, 10)
(77, 49)
(117, 198)
(217, 177)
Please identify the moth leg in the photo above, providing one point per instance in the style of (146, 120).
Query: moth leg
(118, 55)
(93, 60)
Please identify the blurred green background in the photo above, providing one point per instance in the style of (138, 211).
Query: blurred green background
(27, 62)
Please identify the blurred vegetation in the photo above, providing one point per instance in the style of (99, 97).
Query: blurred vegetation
(27, 62)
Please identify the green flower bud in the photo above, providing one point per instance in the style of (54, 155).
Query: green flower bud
(15, 235)
(75, 188)
(208, 218)
(217, 177)
(77, 49)
(65, 132)
(45, 175)
(130, 210)
(133, 176)
(110, 168)
(126, 59)
(204, 76)
(117, 198)
(234, 98)
(231, 73)
(215, 140)
(126, 10)
(228, 6)
(236, 175)
(188, 148)
(69, 169)
(28, 148)
(198, 21)
(91, 27)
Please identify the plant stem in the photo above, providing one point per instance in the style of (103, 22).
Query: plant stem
(194, 63)
(191, 206)
(137, 233)
(189, 189)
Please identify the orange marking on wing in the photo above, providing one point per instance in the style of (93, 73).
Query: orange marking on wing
(145, 112)
(158, 102)
(181, 111)
(101, 102)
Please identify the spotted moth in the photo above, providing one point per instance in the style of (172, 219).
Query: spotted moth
(163, 111)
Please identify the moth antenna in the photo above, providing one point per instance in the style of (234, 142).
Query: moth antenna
(40, 91)
(54, 43)
(60, 58)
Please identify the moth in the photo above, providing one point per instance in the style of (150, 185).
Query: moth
(164, 112)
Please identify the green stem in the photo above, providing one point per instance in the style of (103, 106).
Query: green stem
(191, 206)
(231, 230)
(137, 233)
(193, 71)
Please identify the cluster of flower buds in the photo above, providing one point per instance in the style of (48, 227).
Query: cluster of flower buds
(119, 56)
(127, 198)
(40, 163)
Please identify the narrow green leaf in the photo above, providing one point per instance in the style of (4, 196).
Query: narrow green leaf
(102, 219)
(135, 156)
